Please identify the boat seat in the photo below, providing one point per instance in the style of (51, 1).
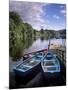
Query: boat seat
(49, 56)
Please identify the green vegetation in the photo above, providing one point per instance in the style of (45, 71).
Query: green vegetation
(21, 35)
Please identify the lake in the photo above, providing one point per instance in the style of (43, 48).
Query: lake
(43, 44)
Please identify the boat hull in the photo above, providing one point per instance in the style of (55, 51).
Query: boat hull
(25, 77)
(49, 75)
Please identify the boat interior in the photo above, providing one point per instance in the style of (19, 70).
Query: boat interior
(50, 63)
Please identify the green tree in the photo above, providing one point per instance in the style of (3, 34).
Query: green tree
(14, 16)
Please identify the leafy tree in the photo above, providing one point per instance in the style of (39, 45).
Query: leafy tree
(14, 16)
(42, 31)
(19, 34)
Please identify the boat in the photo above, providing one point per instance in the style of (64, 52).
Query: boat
(50, 66)
(29, 68)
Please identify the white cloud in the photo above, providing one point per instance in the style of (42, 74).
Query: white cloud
(63, 11)
(29, 12)
(62, 6)
(56, 17)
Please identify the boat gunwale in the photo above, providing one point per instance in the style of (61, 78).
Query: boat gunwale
(51, 66)
(38, 62)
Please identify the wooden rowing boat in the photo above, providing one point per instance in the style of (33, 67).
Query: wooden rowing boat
(50, 66)
(29, 68)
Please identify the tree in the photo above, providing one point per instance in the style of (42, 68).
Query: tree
(42, 31)
(19, 34)
(15, 17)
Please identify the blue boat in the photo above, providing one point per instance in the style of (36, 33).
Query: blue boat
(50, 66)
(28, 68)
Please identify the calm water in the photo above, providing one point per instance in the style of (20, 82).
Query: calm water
(42, 44)
(36, 45)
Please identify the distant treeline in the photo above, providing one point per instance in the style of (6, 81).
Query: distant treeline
(55, 34)
(61, 33)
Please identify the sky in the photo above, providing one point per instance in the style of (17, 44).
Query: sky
(41, 15)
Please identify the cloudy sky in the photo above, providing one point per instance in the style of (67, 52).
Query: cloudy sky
(41, 15)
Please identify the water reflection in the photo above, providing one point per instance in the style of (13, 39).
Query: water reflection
(37, 45)
(41, 43)
(17, 49)
(31, 45)
(42, 38)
